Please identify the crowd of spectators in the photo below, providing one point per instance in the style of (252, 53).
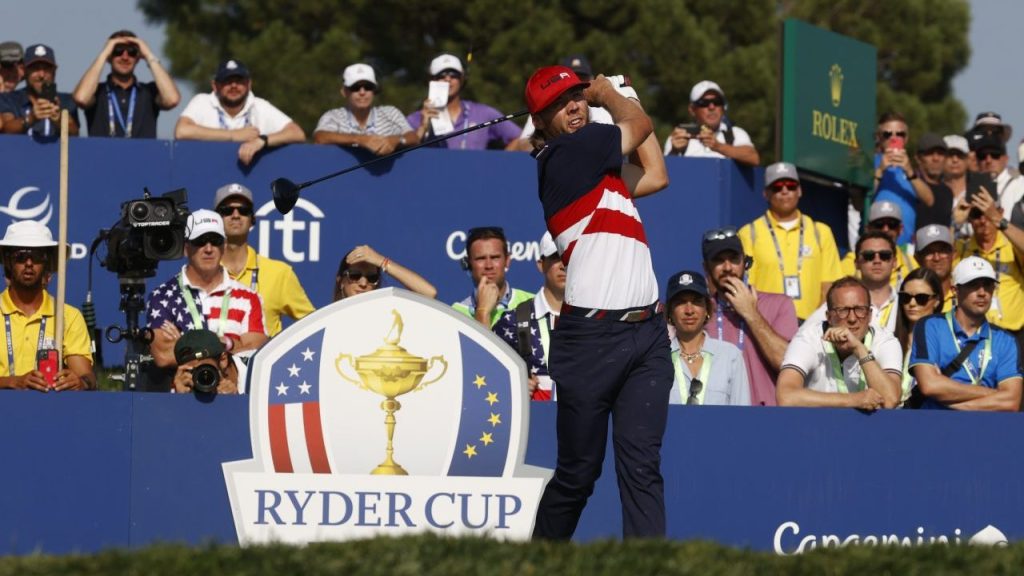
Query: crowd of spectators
(926, 310)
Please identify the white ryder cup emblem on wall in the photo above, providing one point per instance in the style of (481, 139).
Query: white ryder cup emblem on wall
(327, 450)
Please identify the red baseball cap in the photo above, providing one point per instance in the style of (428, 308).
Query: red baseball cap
(547, 84)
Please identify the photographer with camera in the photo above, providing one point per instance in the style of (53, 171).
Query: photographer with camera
(29, 255)
(712, 135)
(35, 109)
(123, 107)
(205, 367)
(203, 295)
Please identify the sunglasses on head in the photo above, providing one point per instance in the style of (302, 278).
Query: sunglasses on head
(216, 240)
(706, 102)
(356, 276)
(37, 256)
(919, 299)
(886, 134)
(719, 234)
(447, 74)
(242, 209)
(360, 86)
(869, 255)
(988, 156)
(131, 49)
(780, 185)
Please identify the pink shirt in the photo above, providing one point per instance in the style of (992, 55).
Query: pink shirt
(779, 313)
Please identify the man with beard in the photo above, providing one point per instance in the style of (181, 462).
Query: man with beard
(760, 324)
(232, 113)
(29, 256)
(35, 109)
(960, 361)
(274, 280)
(379, 129)
(842, 362)
(123, 107)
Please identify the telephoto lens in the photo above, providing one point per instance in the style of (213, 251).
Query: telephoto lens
(205, 378)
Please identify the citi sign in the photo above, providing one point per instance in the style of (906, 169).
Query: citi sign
(299, 239)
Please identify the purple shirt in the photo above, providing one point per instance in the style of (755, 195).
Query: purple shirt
(779, 313)
(473, 113)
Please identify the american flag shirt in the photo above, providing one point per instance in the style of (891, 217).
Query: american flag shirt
(245, 309)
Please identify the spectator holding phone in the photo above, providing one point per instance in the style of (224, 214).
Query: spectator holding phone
(123, 107)
(712, 135)
(35, 109)
(895, 178)
(29, 256)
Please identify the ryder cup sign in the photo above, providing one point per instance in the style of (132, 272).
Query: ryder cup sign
(385, 413)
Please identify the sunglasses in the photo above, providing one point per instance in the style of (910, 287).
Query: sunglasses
(216, 240)
(919, 299)
(360, 86)
(843, 312)
(447, 74)
(719, 234)
(242, 210)
(696, 386)
(884, 224)
(356, 276)
(8, 64)
(869, 255)
(131, 49)
(37, 256)
(706, 102)
(981, 156)
(780, 185)
(886, 134)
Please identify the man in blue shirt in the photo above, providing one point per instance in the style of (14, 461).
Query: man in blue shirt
(895, 179)
(989, 377)
(35, 109)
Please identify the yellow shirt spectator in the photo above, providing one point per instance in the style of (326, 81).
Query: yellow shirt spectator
(278, 287)
(1007, 311)
(806, 265)
(25, 334)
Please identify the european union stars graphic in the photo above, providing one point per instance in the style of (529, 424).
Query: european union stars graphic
(485, 425)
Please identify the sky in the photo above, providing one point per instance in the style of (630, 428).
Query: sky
(77, 30)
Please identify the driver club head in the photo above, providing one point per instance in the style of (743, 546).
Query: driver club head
(286, 194)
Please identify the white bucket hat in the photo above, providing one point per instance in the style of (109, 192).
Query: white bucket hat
(28, 234)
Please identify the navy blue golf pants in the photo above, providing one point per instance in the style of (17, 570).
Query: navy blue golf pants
(604, 367)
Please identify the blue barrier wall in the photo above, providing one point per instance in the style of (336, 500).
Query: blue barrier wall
(86, 472)
(414, 209)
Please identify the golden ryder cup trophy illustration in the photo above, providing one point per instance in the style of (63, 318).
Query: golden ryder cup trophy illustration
(391, 371)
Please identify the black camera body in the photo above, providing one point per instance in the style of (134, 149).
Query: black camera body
(205, 378)
(150, 230)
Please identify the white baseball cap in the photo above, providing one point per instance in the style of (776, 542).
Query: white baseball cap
(359, 73)
(547, 246)
(203, 222)
(28, 234)
(956, 142)
(703, 87)
(445, 62)
(970, 269)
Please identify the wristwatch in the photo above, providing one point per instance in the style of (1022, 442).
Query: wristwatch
(1003, 225)
(869, 358)
(266, 140)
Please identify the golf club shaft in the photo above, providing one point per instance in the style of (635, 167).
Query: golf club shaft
(420, 145)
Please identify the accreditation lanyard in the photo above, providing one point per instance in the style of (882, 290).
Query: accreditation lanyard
(197, 317)
(799, 259)
(10, 341)
(254, 281)
(908, 381)
(114, 111)
(705, 372)
(222, 118)
(837, 366)
(986, 353)
(720, 324)
(886, 313)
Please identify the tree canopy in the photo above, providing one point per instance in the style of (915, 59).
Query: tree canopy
(296, 49)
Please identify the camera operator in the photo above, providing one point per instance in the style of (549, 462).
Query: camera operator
(29, 252)
(203, 295)
(224, 373)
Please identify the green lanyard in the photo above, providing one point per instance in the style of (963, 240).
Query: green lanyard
(705, 371)
(837, 366)
(197, 317)
(907, 382)
(986, 353)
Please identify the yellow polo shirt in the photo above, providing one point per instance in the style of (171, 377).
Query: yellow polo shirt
(278, 287)
(904, 266)
(1009, 314)
(820, 263)
(25, 334)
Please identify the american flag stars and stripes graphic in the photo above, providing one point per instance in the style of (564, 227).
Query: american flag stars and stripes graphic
(167, 303)
(293, 421)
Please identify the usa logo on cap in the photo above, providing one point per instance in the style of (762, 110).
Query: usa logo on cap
(685, 280)
(231, 65)
(40, 51)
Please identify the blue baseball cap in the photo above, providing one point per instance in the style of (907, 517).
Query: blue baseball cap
(686, 281)
(231, 69)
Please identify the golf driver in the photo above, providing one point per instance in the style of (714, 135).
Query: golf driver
(286, 192)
